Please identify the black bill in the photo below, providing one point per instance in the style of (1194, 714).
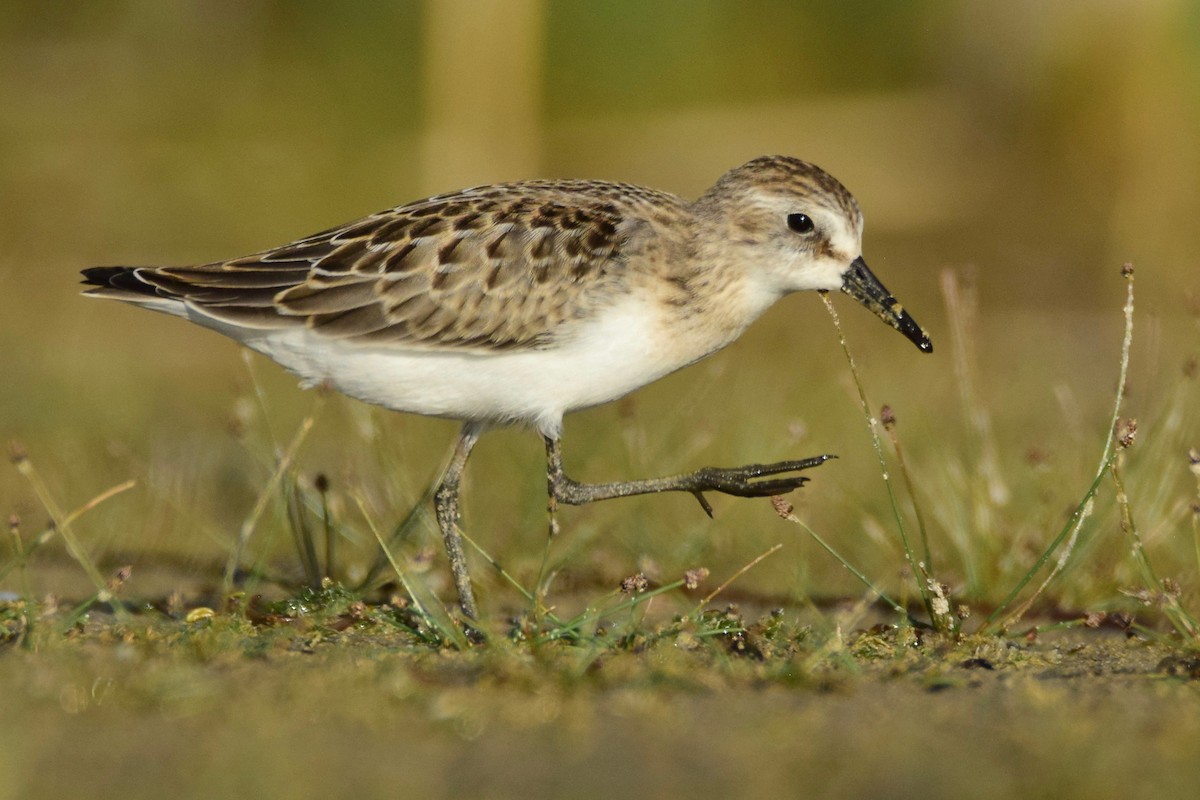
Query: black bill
(861, 284)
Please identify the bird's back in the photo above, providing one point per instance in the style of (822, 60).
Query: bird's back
(493, 268)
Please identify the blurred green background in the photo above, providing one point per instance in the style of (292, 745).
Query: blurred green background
(1033, 147)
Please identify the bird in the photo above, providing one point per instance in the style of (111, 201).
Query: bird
(516, 303)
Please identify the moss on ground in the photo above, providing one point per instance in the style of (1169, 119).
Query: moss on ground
(324, 695)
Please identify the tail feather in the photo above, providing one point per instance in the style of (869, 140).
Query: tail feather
(124, 283)
(224, 308)
(123, 279)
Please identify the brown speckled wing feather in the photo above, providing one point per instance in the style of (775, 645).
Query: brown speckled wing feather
(495, 267)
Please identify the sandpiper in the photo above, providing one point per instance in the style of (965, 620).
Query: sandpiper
(519, 302)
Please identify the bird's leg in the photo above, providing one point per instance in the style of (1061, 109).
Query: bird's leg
(551, 477)
(551, 533)
(445, 503)
(739, 481)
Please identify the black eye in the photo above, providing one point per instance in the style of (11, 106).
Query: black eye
(800, 223)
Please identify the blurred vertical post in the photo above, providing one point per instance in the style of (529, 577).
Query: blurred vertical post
(482, 76)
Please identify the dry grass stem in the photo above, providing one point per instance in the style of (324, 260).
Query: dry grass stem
(62, 523)
(872, 424)
(744, 569)
(264, 497)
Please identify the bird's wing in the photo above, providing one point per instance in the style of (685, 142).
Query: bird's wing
(492, 267)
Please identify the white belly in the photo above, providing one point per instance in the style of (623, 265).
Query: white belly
(624, 347)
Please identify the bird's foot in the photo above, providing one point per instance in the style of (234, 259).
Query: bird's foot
(745, 481)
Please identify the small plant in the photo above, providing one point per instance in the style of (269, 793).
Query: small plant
(61, 525)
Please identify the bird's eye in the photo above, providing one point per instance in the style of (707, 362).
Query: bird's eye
(800, 223)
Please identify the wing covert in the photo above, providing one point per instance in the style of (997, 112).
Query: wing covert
(494, 267)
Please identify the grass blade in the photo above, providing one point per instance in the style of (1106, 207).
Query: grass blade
(785, 510)
(1083, 509)
(439, 620)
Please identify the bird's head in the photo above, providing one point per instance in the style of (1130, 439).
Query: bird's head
(802, 230)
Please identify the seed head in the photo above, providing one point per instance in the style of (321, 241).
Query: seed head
(635, 584)
(693, 577)
(119, 577)
(1126, 431)
(782, 507)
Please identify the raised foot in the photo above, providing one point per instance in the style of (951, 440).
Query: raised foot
(751, 480)
(741, 481)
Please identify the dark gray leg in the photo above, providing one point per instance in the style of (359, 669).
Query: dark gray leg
(739, 481)
(445, 502)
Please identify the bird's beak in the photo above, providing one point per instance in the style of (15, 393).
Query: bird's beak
(861, 284)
